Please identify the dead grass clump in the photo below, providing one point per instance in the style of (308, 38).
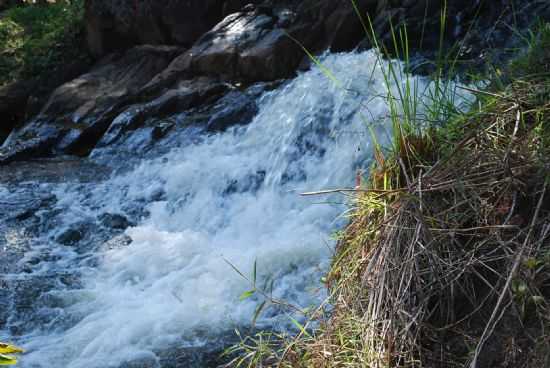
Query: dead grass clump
(446, 262)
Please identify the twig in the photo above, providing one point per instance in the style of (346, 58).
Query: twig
(350, 190)
(477, 91)
(490, 327)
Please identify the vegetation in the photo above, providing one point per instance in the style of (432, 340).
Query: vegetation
(6, 349)
(36, 39)
(446, 258)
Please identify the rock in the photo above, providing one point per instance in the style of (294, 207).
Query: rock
(70, 237)
(30, 143)
(179, 97)
(22, 100)
(248, 46)
(79, 112)
(13, 102)
(237, 107)
(115, 25)
(470, 25)
(115, 221)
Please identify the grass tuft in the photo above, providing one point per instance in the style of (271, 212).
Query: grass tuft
(445, 261)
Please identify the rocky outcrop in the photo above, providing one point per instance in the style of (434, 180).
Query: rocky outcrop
(250, 46)
(220, 44)
(473, 30)
(22, 100)
(80, 111)
(113, 25)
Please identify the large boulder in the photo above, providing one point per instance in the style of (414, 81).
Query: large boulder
(250, 45)
(80, 111)
(473, 28)
(22, 100)
(114, 25)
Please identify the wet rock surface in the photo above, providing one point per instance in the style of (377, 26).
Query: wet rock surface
(78, 113)
(114, 25)
(155, 87)
(28, 210)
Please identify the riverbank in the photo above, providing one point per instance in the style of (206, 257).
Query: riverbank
(445, 261)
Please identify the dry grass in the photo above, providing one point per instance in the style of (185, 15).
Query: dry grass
(447, 262)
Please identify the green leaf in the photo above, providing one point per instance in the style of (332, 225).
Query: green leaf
(532, 263)
(254, 274)
(10, 349)
(300, 327)
(235, 269)
(537, 299)
(259, 309)
(7, 360)
(247, 294)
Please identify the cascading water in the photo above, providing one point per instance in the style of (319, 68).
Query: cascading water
(232, 196)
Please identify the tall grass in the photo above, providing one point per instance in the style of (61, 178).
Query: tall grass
(449, 235)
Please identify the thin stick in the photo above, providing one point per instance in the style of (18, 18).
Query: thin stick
(349, 190)
(489, 328)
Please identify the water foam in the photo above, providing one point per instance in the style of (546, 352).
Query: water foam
(231, 196)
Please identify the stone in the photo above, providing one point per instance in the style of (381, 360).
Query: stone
(115, 25)
(79, 112)
(115, 221)
(70, 237)
(244, 46)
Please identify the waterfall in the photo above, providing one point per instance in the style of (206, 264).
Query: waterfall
(231, 197)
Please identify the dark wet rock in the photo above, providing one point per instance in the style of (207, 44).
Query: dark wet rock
(161, 129)
(23, 99)
(178, 98)
(247, 45)
(115, 221)
(234, 108)
(115, 25)
(54, 170)
(70, 237)
(35, 141)
(478, 30)
(78, 113)
(250, 184)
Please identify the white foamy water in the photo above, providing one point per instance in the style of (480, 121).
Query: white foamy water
(231, 196)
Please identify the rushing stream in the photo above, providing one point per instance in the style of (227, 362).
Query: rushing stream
(110, 259)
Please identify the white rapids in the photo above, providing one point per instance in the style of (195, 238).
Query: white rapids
(229, 197)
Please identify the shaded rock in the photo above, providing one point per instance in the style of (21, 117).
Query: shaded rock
(115, 221)
(248, 45)
(79, 112)
(70, 237)
(13, 102)
(180, 97)
(115, 25)
(161, 130)
(237, 107)
(475, 29)
(234, 108)
(30, 143)
(23, 99)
